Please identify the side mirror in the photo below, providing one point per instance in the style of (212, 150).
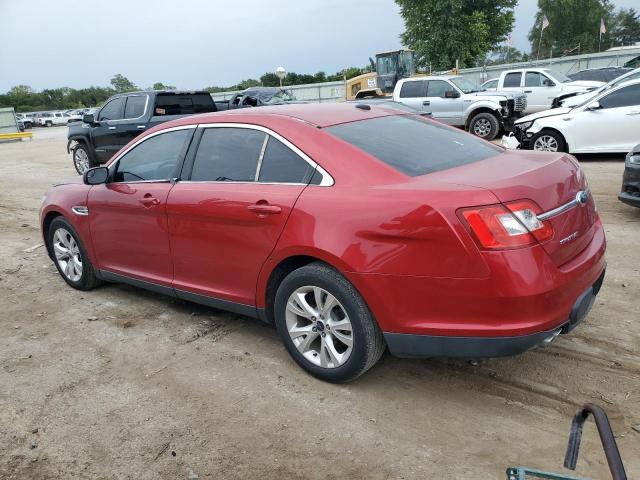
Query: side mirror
(594, 106)
(96, 176)
(548, 83)
(88, 118)
(451, 94)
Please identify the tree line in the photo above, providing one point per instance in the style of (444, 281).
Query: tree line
(24, 99)
(477, 32)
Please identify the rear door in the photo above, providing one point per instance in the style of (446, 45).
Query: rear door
(104, 133)
(133, 122)
(225, 220)
(413, 93)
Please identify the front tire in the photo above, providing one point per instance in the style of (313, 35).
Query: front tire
(70, 256)
(82, 159)
(484, 125)
(49, 124)
(326, 325)
(547, 141)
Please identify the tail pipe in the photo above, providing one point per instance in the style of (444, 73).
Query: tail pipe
(606, 437)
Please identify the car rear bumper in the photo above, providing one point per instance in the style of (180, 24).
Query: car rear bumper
(630, 192)
(524, 300)
(407, 345)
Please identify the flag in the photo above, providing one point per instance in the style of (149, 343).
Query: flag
(545, 22)
(603, 27)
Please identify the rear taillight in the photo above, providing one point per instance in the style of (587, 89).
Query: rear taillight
(511, 225)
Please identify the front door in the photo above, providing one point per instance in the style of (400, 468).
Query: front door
(104, 132)
(540, 91)
(614, 126)
(445, 110)
(225, 220)
(128, 218)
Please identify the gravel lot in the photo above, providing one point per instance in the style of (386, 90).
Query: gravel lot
(122, 383)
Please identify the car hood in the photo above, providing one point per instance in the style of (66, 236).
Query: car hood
(578, 99)
(79, 180)
(585, 83)
(496, 94)
(546, 113)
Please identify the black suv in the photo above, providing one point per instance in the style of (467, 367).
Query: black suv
(124, 116)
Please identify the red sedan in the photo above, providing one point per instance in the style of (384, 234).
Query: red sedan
(350, 227)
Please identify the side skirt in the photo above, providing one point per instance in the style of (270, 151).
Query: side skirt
(240, 308)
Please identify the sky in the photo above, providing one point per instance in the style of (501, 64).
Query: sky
(197, 43)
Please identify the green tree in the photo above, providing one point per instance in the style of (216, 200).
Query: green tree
(571, 23)
(625, 27)
(443, 31)
(161, 86)
(122, 84)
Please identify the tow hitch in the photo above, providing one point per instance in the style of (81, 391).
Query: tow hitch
(571, 456)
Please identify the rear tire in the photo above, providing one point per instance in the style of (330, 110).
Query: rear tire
(547, 141)
(70, 256)
(484, 125)
(49, 124)
(325, 324)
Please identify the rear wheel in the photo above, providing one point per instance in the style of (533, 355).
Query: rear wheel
(484, 125)
(325, 324)
(70, 255)
(548, 141)
(48, 123)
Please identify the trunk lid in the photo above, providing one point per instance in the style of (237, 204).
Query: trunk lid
(551, 180)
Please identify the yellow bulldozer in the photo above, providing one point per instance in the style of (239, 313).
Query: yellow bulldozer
(387, 69)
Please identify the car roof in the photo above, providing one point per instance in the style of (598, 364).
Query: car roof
(317, 114)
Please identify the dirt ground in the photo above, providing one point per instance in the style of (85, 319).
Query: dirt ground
(120, 383)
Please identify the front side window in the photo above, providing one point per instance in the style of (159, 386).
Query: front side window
(412, 89)
(280, 164)
(228, 155)
(413, 145)
(134, 107)
(112, 110)
(625, 97)
(437, 88)
(154, 159)
(512, 79)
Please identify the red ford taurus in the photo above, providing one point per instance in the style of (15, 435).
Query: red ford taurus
(350, 227)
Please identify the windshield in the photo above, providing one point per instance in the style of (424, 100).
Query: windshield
(561, 77)
(465, 85)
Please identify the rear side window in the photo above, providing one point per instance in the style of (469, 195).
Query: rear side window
(512, 79)
(153, 159)
(412, 89)
(183, 104)
(280, 164)
(134, 107)
(413, 145)
(112, 110)
(228, 155)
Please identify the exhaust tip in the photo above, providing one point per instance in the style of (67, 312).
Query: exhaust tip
(549, 340)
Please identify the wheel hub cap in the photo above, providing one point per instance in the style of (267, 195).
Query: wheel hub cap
(67, 254)
(319, 327)
(482, 128)
(546, 143)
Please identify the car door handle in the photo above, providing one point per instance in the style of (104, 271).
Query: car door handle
(264, 209)
(528, 91)
(426, 103)
(112, 128)
(141, 127)
(634, 113)
(149, 201)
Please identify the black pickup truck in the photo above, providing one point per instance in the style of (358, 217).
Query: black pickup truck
(124, 116)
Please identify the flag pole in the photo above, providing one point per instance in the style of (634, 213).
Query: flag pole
(600, 41)
(540, 43)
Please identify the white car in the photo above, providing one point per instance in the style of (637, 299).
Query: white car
(490, 85)
(572, 101)
(609, 122)
(542, 86)
(49, 119)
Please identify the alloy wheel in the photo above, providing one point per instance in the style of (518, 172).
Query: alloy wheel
(67, 254)
(319, 326)
(482, 127)
(81, 160)
(546, 143)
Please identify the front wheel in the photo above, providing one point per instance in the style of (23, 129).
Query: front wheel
(325, 324)
(484, 125)
(82, 159)
(547, 141)
(70, 256)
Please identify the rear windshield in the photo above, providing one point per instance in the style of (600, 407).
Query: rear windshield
(183, 104)
(413, 145)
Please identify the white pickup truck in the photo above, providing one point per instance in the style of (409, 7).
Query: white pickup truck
(49, 119)
(459, 102)
(541, 86)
